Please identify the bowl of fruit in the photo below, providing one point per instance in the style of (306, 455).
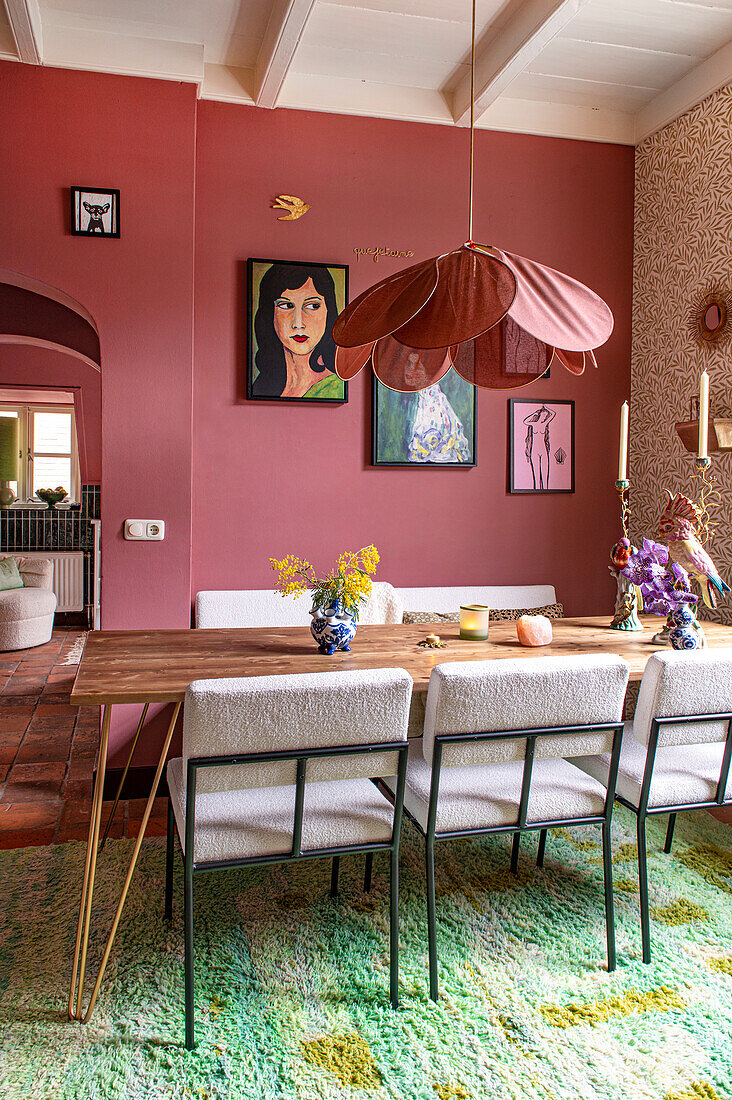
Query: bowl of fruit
(52, 497)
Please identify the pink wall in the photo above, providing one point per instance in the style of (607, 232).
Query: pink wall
(196, 185)
(271, 480)
(63, 128)
(25, 365)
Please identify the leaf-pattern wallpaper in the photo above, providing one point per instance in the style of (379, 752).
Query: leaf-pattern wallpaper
(683, 243)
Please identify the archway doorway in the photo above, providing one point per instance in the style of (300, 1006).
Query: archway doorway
(50, 385)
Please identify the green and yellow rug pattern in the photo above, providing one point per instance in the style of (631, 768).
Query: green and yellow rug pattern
(292, 988)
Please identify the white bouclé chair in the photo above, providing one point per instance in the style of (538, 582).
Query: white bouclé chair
(676, 751)
(493, 757)
(265, 608)
(277, 768)
(26, 614)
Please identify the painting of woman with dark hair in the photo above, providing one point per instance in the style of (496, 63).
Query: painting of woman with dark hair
(292, 307)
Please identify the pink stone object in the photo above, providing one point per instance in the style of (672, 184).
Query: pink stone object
(534, 630)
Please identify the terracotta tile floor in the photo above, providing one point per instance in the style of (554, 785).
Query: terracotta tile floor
(48, 750)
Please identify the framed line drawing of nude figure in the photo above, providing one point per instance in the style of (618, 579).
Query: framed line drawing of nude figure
(291, 307)
(540, 446)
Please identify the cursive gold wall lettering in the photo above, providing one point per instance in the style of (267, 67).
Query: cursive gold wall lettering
(377, 254)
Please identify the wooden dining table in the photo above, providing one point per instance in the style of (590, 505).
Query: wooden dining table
(156, 666)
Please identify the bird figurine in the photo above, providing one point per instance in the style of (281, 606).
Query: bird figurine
(620, 554)
(294, 206)
(679, 528)
(628, 600)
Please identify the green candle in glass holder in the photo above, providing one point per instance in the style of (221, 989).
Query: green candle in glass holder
(474, 618)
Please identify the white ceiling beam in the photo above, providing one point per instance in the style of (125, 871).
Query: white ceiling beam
(564, 120)
(24, 17)
(228, 84)
(527, 27)
(357, 97)
(352, 96)
(71, 47)
(707, 77)
(281, 39)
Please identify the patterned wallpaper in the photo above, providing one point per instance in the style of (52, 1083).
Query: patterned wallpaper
(683, 243)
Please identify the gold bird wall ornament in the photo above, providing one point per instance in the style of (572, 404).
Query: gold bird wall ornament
(294, 206)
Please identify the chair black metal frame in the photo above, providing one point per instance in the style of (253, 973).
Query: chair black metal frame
(643, 810)
(531, 735)
(191, 867)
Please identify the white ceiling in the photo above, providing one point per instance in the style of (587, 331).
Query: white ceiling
(606, 70)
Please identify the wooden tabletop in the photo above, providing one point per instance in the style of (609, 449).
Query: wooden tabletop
(139, 666)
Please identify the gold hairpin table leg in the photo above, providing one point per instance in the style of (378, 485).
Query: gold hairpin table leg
(87, 889)
(118, 795)
(130, 871)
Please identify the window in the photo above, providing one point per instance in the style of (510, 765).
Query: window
(49, 453)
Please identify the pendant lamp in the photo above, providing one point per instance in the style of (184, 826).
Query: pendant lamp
(499, 319)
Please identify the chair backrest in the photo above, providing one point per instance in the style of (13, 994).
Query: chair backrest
(678, 683)
(265, 607)
(497, 597)
(384, 605)
(523, 694)
(260, 714)
(251, 607)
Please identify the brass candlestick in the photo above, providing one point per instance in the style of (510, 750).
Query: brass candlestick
(709, 497)
(626, 600)
(623, 490)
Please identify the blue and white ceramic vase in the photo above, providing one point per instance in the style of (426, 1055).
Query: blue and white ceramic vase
(333, 628)
(686, 632)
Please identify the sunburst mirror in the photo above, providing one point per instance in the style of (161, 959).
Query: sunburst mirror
(710, 319)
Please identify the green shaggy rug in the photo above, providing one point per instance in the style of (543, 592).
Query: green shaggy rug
(291, 987)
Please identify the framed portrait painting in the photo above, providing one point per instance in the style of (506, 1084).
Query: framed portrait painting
(291, 308)
(433, 427)
(94, 212)
(541, 446)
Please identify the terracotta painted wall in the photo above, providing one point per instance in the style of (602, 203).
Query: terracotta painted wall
(62, 128)
(683, 243)
(272, 479)
(22, 365)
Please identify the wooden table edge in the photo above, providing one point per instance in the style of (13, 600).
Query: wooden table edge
(84, 694)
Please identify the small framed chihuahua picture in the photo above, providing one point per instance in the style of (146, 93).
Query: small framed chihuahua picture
(94, 212)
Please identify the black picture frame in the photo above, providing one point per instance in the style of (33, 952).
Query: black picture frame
(516, 476)
(339, 274)
(379, 392)
(94, 222)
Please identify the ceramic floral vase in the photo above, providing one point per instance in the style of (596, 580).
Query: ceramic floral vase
(333, 628)
(686, 632)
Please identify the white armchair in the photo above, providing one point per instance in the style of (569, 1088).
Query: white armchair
(676, 751)
(26, 614)
(278, 768)
(493, 757)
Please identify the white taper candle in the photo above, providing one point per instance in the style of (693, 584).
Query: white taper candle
(703, 414)
(623, 451)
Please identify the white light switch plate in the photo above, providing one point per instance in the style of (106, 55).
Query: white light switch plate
(145, 530)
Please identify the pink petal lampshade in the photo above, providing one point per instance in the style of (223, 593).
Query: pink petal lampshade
(498, 318)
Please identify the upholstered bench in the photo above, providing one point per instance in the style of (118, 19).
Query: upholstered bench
(424, 605)
(26, 614)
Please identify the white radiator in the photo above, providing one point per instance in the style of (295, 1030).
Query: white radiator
(68, 576)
